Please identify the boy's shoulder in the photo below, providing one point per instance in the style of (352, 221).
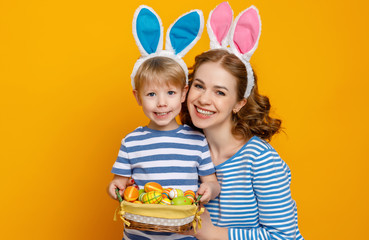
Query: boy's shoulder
(139, 131)
(187, 130)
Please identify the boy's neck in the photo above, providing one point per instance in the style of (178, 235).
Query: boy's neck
(172, 126)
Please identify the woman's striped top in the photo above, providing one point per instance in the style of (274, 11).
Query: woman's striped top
(255, 200)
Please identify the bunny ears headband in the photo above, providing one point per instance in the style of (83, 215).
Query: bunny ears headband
(181, 36)
(242, 35)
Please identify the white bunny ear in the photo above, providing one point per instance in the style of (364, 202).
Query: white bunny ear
(147, 30)
(219, 24)
(245, 33)
(183, 34)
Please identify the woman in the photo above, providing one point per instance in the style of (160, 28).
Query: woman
(255, 200)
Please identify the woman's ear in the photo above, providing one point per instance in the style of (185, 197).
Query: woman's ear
(184, 93)
(239, 105)
(137, 96)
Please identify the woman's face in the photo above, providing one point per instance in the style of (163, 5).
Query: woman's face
(212, 97)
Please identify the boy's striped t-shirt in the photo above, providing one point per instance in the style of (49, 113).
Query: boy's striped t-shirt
(255, 199)
(174, 158)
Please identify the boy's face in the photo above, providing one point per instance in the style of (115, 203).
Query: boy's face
(161, 104)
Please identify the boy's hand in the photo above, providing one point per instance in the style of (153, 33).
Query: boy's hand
(205, 191)
(117, 182)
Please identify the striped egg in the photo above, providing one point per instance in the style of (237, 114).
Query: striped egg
(130, 194)
(140, 197)
(152, 197)
(175, 193)
(165, 201)
(153, 186)
(138, 202)
(190, 195)
(166, 192)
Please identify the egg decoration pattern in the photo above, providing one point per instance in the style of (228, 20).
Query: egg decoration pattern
(152, 197)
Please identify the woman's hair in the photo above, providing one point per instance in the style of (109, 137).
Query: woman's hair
(160, 70)
(253, 118)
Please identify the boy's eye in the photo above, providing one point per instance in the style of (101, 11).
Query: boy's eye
(152, 94)
(171, 92)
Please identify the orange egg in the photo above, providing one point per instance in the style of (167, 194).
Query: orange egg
(130, 194)
(153, 186)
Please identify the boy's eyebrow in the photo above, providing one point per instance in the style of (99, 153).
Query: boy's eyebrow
(216, 86)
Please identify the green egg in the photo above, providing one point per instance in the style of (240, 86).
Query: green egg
(181, 201)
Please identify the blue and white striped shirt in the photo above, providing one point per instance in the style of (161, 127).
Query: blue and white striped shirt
(173, 159)
(255, 199)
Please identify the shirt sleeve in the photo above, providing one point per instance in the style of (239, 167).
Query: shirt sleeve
(206, 166)
(122, 165)
(277, 210)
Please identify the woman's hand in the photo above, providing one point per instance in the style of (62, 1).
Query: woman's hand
(208, 231)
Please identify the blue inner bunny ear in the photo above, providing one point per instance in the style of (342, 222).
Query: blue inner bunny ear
(148, 30)
(184, 31)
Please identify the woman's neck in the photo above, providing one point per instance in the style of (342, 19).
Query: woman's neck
(222, 144)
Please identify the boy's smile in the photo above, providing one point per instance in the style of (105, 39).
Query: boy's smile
(161, 104)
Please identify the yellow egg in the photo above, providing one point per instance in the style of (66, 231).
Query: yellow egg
(152, 197)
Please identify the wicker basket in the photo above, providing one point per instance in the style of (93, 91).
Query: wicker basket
(159, 218)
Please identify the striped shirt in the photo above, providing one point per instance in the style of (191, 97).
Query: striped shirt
(255, 199)
(173, 159)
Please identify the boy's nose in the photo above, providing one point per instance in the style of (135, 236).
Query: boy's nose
(162, 102)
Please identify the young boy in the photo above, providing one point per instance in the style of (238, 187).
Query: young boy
(165, 152)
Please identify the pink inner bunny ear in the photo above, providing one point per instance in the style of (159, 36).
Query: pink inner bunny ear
(247, 31)
(221, 20)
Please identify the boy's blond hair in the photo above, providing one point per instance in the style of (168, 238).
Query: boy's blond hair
(160, 71)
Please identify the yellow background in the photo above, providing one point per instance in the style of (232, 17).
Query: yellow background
(66, 102)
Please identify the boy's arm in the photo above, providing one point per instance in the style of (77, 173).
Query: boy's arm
(117, 182)
(209, 188)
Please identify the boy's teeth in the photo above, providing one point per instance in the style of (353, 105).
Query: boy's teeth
(161, 114)
(204, 111)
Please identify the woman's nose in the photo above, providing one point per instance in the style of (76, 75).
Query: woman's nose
(204, 98)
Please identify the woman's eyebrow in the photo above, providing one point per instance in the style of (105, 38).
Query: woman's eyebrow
(216, 86)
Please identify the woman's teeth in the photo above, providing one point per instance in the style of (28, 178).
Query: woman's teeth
(204, 111)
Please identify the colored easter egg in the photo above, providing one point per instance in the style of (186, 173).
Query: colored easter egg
(166, 201)
(166, 192)
(182, 200)
(152, 197)
(190, 195)
(153, 186)
(130, 194)
(192, 198)
(175, 193)
(140, 197)
(189, 192)
(138, 202)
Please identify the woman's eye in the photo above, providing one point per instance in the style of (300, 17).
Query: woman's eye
(198, 86)
(171, 92)
(151, 94)
(221, 93)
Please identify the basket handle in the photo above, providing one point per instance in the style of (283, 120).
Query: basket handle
(198, 199)
(118, 195)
